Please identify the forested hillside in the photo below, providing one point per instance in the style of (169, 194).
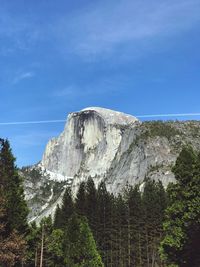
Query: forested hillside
(145, 226)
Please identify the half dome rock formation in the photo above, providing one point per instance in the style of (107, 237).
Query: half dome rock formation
(88, 145)
(105, 145)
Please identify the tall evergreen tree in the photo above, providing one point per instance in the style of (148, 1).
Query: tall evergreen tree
(91, 205)
(122, 231)
(154, 204)
(80, 201)
(10, 181)
(135, 224)
(58, 218)
(55, 249)
(80, 248)
(181, 244)
(104, 223)
(66, 210)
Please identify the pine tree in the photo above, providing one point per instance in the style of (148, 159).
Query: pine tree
(12, 245)
(14, 220)
(58, 218)
(80, 248)
(154, 204)
(65, 211)
(55, 249)
(104, 223)
(123, 221)
(135, 223)
(181, 244)
(91, 205)
(16, 207)
(33, 245)
(80, 201)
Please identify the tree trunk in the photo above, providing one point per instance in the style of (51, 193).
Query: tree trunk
(36, 255)
(42, 247)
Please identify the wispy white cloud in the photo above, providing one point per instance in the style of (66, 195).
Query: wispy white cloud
(17, 33)
(68, 91)
(23, 76)
(102, 29)
(104, 86)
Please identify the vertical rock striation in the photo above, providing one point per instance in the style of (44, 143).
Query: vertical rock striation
(88, 145)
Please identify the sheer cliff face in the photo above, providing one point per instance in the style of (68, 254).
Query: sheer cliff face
(88, 145)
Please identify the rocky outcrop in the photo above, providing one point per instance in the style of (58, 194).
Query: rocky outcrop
(114, 147)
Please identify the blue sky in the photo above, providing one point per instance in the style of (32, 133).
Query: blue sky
(139, 57)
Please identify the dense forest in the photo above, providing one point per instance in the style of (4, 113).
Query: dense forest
(144, 226)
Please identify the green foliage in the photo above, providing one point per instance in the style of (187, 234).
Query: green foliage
(123, 230)
(16, 207)
(55, 248)
(13, 209)
(126, 228)
(80, 202)
(33, 240)
(52, 244)
(153, 129)
(160, 128)
(91, 204)
(66, 210)
(80, 248)
(58, 218)
(103, 222)
(184, 166)
(181, 244)
(154, 202)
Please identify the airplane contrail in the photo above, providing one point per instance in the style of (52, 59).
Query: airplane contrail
(30, 122)
(139, 116)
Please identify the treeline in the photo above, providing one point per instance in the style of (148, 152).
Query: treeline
(145, 226)
(127, 228)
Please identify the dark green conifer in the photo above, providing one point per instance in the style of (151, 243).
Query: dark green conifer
(11, 183)
(55, 249)
(181, 243)
(58, 218)
(91, 205)
(154, 202)
(80, 248)
(135, 224)
(80, 201)
(66, 209)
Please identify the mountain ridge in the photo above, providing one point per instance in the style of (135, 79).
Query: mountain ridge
(118, 149)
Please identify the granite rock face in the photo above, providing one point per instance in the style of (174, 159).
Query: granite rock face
(115, 147)
(88, 145)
